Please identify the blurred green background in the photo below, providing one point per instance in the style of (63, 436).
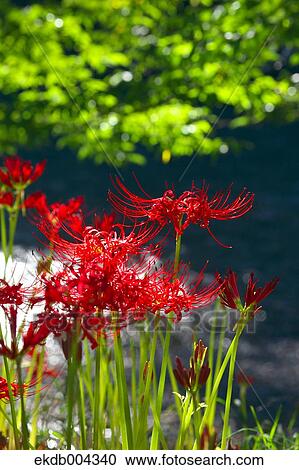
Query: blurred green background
(129, 80)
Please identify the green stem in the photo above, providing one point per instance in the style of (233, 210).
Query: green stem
(186, 417)
(178, 245)
(126, 424)
(12, 404)
(145, 397)
(13, 221)
(9, 421)
(158, 424)
(11, 399)
(161, 386)
(81, 411)
(134, 385)
(39, 373)
(97, 428)
(229, 395)
(3, 234)
(211, 357)
(143, 358)
(218, 379)
(173, 381)
(196, 414)
(87, 374)
(175, 388)
(114, 416)
(71, 386)
(25, 435)
(217, 368)
(5, 417)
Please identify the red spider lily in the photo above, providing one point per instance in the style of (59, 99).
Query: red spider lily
(13, 294)
(21, 341)
(92, 245)
(6, 199)
(112, 277)
(230, 296)
(198, 372)
(18, 173)
(36, 334)
(106, 223)
(56, 322)
(108, 288)
(173, 292)
(244, 379)
(67, 213)
(90, 294)
(163, 210)
(56, 215)
(16, 389)
(125, 289)
(13, 297)
(201, 210)
(37, 201)
(191, 207)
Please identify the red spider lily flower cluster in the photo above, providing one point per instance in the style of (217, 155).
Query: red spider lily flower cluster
(196, 375)
(191, 207)
(91, 243)
(16, 389)
(6, 199)
(15, 177)
(106, 222)
(18, 173)
(108, 279)
(108, 274)
(57, 214)
(13, 298)
(174, 293)
(230, 296)
(10, 294)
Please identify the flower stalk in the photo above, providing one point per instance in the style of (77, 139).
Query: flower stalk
(166, 346)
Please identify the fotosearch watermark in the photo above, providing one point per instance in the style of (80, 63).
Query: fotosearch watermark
(201, 322)
(198, 322)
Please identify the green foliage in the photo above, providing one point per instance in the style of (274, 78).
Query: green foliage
(271, 436)
(113, 78)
